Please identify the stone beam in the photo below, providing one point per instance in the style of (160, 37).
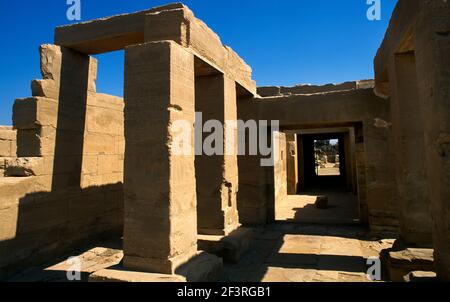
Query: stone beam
(305, 111)
(173, 22)
(106, 34)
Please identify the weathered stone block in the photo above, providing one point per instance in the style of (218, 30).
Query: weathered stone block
(231, 248)
(45, 88)
(28, 166)
(104, 120)
(108, 164)
(322, 202)
(420, 276)
(90, 164)
(7, 133)
(51, 58)
(5, 148)
(16, 188)
(167, 25)
(203, 267)
(99, 143)
(33, 113)
(107, 101)
(36, 142)
(401, 263)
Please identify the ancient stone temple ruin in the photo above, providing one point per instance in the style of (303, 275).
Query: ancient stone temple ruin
(78, 166)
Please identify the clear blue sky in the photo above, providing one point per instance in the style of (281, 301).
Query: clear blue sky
(286, 42)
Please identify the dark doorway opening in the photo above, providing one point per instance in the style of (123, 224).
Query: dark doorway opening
(323, 162)
(324, 166)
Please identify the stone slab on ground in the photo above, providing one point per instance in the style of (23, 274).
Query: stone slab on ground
(420, 276)
(401, 263)
(278, 252)
(231, 248)
(121, 275)
(202, 268)
(95, 258)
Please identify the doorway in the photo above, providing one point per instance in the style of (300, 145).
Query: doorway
(325, 167)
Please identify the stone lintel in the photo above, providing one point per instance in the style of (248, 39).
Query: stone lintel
(107, 34)
(173, 22)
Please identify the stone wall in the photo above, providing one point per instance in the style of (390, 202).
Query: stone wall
(411, 67)
(433, 63)
(7, 146)
(104, 142)
(266, 91)
(65, 189)
(352, 108)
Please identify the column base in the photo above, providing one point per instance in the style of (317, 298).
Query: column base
(231, 248)
(203, 267)
(160, 266)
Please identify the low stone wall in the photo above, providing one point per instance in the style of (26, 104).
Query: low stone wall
(38, 220)
(266, 91)
(37, 226)
(65, 189)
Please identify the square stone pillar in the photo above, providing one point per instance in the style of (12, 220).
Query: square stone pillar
(217, 175)
(408, 132)
(432, 45)
(292, 164)
(160, 232)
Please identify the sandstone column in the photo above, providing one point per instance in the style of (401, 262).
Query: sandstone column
(160, 230)
(433, 64)
(217, 175)
(78, 75)
(407, 128)
(292, 164)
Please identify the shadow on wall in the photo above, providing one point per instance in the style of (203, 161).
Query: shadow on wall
(74, 201)
(46, 225)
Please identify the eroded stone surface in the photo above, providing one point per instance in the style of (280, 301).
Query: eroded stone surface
(401, 263)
